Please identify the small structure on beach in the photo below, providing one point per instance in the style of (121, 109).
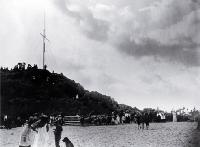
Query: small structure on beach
(161, 116)
(174, 116)
(72, 120)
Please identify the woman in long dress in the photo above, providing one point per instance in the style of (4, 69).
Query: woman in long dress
(27, 136)
(42, 135)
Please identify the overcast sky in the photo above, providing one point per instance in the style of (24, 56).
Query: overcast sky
(144, 53)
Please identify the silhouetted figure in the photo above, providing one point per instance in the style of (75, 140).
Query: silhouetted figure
(198, 127)
(18, 121)
(7, 122)
(138, 120)
(57, 132)
(15, 68)
(29, 67)
(45, 67)
(82, 120)
(146, 120)
(35, 66)
(143, 120)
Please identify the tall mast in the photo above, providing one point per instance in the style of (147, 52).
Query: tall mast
(44, 46)
(44, 35)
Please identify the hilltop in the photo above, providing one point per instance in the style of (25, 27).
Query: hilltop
(29, 90)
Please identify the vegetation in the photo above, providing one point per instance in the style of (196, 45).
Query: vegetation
(29, 90)
(25, 91)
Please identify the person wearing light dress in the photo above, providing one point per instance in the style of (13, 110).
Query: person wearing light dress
(27, 136)
(42, 136)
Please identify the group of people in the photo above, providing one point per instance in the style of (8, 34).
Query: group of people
(9, 122)
(142, 119)
(111, 119)
(36, 132)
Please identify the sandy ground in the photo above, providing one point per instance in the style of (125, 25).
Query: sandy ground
(181, 134)
(195, 139)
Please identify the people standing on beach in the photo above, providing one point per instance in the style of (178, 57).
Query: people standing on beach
(7, 122)
(146, 120)
(138, 120)
(5, 119)
(27, 135)
(142, 120)
(58, 132)
(42, 137)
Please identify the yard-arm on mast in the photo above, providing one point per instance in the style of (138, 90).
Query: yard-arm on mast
(44, 46)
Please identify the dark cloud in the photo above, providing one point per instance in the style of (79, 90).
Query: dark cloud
(196, 1)
(97, 29)
(185, 51)
(173, 11)
(92, 27)
(175, 30)
(164, 17)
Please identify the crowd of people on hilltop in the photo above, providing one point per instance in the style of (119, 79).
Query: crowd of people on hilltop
(21, 66)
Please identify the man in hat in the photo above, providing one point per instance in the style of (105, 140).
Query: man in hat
(57, 132)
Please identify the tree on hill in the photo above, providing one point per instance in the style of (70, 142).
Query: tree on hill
(29, 90)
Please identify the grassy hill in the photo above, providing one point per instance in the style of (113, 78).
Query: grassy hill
(31, 90)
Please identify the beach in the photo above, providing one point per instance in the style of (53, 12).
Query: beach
(177, 134)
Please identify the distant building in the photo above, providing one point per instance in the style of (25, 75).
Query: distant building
(162, 115)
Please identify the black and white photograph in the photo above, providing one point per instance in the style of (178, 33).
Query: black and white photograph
(100, 73)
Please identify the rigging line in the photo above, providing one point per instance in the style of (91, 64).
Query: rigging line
(34, 46)
(51, 55)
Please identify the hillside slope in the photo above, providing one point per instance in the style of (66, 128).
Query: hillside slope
(26, 91)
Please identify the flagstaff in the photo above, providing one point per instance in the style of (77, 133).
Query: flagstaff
(44, 45)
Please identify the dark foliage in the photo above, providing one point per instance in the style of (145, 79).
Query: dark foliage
(25, 91)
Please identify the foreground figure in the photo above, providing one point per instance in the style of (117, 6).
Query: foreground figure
(57, 132)
(27, 136)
